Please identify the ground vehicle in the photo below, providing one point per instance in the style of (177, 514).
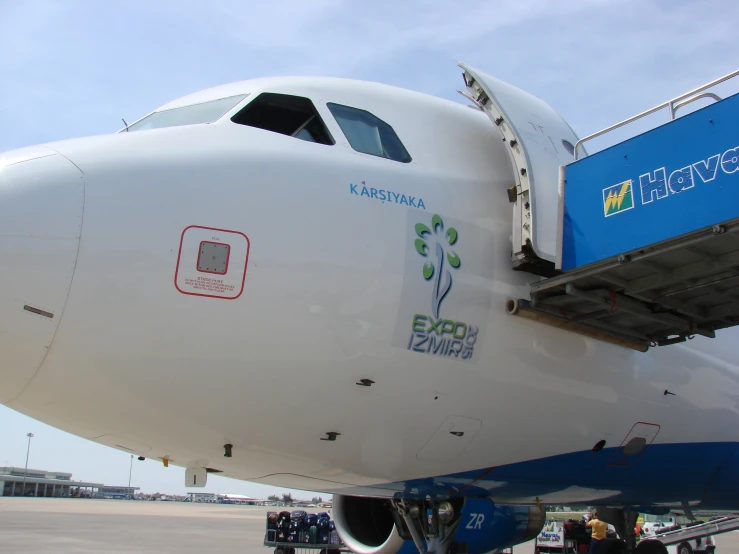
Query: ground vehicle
(291, 531)
(653, 525)
(566, 536)
(572, 536)
(659, 526)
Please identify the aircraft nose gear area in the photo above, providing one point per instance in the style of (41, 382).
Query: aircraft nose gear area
(433, 522)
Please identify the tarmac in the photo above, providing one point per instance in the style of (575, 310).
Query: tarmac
(77, 525)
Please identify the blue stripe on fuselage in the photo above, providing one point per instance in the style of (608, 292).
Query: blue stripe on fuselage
(661, 473)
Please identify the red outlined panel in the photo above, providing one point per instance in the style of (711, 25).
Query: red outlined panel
(212, 278)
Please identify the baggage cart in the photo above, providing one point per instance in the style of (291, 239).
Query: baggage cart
(286, 539)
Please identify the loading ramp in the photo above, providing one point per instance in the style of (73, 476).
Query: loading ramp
(698, 531)
(646, 231)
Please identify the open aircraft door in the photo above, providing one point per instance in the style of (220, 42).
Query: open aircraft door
(540, 142)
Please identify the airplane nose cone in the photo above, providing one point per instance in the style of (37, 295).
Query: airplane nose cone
(41, 204)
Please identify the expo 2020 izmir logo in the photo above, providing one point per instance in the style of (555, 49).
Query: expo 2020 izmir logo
(432, 334)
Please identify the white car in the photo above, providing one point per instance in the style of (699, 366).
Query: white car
(657, 527)
(705, 545)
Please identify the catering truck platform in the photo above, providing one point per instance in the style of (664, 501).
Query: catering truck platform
(637, 244)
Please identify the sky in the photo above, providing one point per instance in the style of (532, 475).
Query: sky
(76, 68)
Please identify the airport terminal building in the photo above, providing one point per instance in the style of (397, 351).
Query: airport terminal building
(16, 481)
(118, 492)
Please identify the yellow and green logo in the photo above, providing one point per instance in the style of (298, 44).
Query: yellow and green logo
(617, 198)
(432, 334)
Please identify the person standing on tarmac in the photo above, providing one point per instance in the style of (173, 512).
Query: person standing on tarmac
(599, 532)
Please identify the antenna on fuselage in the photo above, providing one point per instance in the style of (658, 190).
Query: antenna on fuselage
(126, 124)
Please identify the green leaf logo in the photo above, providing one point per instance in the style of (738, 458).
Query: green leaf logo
(435, 234)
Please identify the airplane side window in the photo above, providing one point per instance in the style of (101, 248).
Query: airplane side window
(369, 134)
(294, 116)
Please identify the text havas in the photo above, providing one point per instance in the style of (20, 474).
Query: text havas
(659, 184)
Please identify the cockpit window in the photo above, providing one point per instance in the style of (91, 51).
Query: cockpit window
(204, 112)
(369, 134)
(294, 116)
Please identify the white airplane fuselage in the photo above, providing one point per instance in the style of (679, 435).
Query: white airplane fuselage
(148, 353)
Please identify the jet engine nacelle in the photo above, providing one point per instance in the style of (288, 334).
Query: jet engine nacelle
(366, 525)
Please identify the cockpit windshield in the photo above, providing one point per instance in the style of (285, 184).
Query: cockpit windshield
(204, 112)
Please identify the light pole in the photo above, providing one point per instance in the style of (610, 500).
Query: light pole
(25, 472)
(130, 469)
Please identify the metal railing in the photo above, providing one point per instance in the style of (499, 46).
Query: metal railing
(673, 106)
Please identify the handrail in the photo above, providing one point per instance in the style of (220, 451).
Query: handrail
(679, 105)
(669, 103)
